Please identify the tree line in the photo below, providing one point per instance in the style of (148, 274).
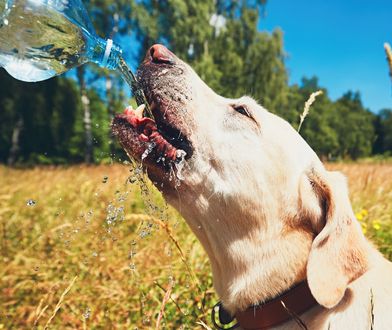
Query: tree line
(66, 119)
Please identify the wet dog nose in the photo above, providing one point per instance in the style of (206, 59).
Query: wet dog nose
(160, 54)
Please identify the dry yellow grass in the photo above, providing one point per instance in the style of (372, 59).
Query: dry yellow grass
(89, 222)
(371, 196)
(136, 265)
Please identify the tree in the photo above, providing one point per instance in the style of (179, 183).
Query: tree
(42, 122)
(220, 39)
(355, 126)
(318, 129)
(383, 127)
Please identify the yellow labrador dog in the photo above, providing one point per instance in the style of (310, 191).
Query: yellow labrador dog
(267, 212)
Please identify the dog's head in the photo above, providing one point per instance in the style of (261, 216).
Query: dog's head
(228, 144)
(240, 176)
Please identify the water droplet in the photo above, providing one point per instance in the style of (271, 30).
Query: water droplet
(199, 227)
(31, 202)
(149, 149)
(95, 254)
(96, 125)
(87, 313)
(168, 251)
(143, 234)
(132, 267)
(105, 179)
(122, 197)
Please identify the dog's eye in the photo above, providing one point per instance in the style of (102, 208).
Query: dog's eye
(242, 110)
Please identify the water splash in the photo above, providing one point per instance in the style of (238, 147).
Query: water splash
(114, 214)
(180, 164)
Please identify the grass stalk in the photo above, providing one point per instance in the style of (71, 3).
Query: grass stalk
(308, 104)
(58, 306)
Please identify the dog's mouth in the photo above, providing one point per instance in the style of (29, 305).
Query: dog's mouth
(155, 141)
(161, 143)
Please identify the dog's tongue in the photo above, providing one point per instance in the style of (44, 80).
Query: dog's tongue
(148, 132)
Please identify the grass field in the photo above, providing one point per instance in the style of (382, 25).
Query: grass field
(81, 249)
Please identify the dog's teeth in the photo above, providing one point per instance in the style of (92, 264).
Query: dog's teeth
(180, 154)
(128, 110)
(139, 111)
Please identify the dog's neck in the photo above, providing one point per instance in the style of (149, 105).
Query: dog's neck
(266, 271)
(250, 267)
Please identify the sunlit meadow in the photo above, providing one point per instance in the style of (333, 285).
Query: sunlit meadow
(87, 248)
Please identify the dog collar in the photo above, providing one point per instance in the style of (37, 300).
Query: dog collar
(287, 306)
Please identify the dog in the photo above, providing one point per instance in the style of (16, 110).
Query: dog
(267, 212)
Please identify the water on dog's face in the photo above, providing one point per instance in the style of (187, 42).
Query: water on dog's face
(38, 42)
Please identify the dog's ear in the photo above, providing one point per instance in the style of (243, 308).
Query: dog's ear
(339, 252)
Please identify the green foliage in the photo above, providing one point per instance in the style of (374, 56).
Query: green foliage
(341, 129)
(51, 118)
(383, 126)
(354, 125)
(221, 41)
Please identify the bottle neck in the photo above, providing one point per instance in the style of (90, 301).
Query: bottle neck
(105, 53)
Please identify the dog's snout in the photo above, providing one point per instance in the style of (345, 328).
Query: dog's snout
(161, 55)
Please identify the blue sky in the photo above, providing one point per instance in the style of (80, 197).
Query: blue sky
(341, 42)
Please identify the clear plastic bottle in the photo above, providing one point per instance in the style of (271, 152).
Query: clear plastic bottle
(40, 39)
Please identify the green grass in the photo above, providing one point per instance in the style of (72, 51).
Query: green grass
(122, 247)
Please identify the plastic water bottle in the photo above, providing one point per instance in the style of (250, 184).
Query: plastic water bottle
(40, 39)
